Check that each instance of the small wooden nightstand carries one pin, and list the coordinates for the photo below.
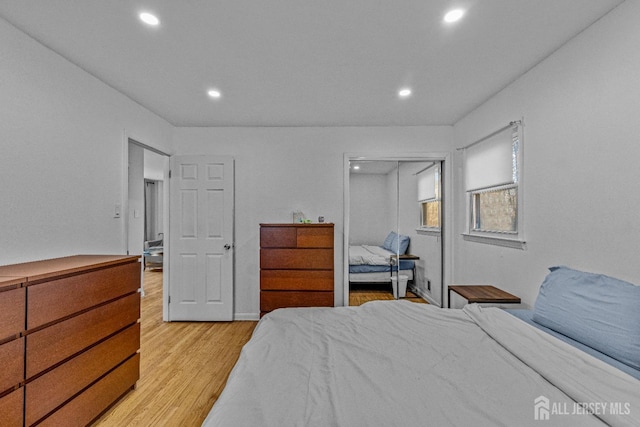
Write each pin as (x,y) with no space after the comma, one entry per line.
(482,294)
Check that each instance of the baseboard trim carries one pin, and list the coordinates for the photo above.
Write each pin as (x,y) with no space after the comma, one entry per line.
(425,296)
(246,316)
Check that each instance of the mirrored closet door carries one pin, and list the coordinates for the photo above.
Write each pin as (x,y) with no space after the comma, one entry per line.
(395,230)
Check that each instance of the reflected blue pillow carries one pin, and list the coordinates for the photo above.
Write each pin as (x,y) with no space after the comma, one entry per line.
(396,242)
(596,310)
(389,241)
(400,244)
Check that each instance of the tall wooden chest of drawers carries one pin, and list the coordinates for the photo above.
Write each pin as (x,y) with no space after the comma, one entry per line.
(296,266)
(69,338)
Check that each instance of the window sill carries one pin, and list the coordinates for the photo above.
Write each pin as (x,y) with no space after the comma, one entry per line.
(429,231)
(495,240)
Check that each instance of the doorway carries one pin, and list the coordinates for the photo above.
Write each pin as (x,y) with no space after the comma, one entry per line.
(382,198)
(146,208)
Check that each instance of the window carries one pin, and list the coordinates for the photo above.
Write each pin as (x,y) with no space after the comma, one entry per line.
(492,168)
(495,210)
(429,198)
(430,214)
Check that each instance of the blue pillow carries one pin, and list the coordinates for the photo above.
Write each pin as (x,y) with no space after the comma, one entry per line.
(395,242)
(597,310)
(403,243)
(389,241)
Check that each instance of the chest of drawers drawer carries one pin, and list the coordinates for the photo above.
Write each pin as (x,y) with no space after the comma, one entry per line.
(282,280)
(56,299)
(11,413)
(12,313)
(11,363)
(296,259)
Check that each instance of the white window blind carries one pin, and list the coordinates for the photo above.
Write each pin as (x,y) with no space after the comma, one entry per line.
(493,161)
(428,183)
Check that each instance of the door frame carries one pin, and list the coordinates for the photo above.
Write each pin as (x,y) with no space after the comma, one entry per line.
(447,202)
(124,214)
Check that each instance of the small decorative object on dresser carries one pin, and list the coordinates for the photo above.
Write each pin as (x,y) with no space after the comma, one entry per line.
(296,266)
(69,338)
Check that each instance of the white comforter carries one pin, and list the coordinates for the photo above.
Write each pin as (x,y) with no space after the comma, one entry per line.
(396,363)
(368,255)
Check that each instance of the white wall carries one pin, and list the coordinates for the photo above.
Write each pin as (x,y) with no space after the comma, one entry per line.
(581,108)
(154,165)
(282,169)
(369,209)
(61,168)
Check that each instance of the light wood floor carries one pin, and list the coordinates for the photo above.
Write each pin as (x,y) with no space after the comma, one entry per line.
(184,366)
(378,292)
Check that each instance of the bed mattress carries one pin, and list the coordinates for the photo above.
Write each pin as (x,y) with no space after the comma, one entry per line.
(396,363)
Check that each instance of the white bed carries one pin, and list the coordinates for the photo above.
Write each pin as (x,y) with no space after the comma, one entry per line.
(397,363)
(372,264)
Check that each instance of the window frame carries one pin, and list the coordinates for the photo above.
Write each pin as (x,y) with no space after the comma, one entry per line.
(511,239)
(474,214)
(425,227)
(422,227)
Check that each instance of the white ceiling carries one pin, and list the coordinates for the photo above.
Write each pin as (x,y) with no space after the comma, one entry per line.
(306,62)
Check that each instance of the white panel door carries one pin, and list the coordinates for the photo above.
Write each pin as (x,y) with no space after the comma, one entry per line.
(201,238)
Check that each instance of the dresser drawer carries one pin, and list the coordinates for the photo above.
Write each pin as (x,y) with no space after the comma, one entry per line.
(50,390)
(278,237)
(10,282)
(93,401)
(313,280)
(315,237)
(11,409)
(49,346)
(296,259)
(56,299)
(271,300)
(12,363)
(12,312)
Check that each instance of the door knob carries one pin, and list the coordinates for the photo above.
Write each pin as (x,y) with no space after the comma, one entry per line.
(227,246)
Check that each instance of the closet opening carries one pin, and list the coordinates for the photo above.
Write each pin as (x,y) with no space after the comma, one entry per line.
(395,228)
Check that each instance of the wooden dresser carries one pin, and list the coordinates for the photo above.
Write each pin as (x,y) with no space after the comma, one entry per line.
(69,338)
(296,266)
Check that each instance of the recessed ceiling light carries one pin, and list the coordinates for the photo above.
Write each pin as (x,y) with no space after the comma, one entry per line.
(454,15)
(149,19)
(404,92)
(356,167)
(214,93)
